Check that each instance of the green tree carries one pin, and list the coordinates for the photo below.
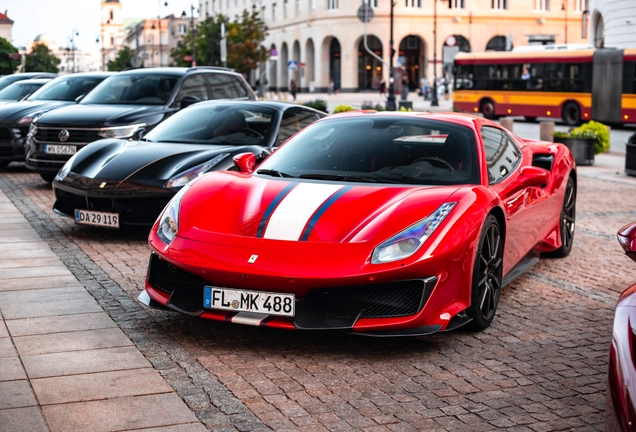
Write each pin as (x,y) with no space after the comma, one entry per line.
(7,64)
(244,38)
(123,60)
(42,59)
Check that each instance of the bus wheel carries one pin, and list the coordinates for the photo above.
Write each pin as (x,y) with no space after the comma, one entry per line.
(571,114)
(487,108)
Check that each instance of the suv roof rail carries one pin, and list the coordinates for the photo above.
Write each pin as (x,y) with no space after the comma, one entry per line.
(221,68)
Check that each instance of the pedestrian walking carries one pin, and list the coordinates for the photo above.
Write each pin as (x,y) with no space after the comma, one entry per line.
(405,87)
(330,87)
(382,88)
(425,87)
(293,88)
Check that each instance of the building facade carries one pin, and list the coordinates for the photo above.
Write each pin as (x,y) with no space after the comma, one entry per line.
(154,39)
(71,58)
(6,25)
(613,23)
(112,30)
(325,38)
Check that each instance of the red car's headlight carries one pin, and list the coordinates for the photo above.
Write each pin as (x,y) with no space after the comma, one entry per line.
(169,219)
(407,242)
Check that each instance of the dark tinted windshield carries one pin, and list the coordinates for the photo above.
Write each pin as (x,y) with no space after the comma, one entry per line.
(19,90)
(141,89)
(227,124)
(67,88)
(379,149)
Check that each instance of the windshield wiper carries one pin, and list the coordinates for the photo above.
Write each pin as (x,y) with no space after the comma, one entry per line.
(273,173)
(340,177)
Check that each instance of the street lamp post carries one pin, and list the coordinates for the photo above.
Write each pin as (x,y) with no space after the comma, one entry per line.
(564,6)
(194,33)
(391,97)
(153,26)
(72,48)
(434,101)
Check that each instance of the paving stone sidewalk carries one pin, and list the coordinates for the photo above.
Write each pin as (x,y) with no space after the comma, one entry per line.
(64,363)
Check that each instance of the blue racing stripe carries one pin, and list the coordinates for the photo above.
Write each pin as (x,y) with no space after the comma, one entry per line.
(321,210)
(272,206)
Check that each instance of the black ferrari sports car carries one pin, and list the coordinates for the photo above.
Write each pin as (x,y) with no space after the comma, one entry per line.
(115,182)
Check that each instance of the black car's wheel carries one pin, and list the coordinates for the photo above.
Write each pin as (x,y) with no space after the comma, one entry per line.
(567,222)
(48,177)
(571,114)
(487,276)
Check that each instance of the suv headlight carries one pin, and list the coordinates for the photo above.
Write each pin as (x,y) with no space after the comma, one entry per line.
(30,118)
(185,177)
(407,242)
(120,131)
(169,219)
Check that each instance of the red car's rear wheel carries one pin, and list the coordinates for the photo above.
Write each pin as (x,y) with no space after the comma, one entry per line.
(487,276)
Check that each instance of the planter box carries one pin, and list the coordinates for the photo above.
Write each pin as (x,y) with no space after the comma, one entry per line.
(406,104)
(630,159)
(582,149)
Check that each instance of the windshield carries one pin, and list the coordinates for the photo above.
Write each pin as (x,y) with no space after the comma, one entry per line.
(141,89)
(227,124)
(379,149)
(67,88)
(18,90)
(9,79)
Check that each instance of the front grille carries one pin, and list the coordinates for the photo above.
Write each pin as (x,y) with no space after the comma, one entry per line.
(393,299)
(51,135)
(5,134)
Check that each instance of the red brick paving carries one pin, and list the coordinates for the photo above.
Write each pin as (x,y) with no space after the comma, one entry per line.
(541,365)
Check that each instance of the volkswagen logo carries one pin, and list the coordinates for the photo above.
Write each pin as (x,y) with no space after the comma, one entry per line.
(63,135)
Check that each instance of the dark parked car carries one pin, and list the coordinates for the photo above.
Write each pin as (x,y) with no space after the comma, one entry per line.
(620,414)
(124,106)
(21,89)
(16,118)
(116,182)
(10,79)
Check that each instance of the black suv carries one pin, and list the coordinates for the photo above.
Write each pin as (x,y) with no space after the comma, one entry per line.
(124,106)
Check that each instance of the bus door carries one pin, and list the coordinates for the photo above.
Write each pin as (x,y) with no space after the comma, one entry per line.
(607,85)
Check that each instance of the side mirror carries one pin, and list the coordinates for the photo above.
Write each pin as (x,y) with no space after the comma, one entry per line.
(627,239)
(79,98)
(189,100)
(533,176)
(245,162)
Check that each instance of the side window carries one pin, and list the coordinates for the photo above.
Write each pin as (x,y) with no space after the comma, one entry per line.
(241,92)
(502,155)
(193,86)
(294,119)
(221,87)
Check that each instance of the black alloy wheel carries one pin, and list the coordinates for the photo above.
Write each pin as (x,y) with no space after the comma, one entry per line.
(487,276)
(571,114)
(567,222)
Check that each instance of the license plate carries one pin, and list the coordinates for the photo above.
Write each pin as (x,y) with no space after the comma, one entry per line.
(95,218)
(248,301)
(60,149)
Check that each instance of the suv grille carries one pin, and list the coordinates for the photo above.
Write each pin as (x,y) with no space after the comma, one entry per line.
(79,136)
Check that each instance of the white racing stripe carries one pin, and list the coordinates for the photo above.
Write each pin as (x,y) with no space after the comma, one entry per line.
(293,212)
(248,318)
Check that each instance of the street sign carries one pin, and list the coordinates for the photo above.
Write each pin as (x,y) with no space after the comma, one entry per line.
(135,61)
(187,58)
(15,56)
(451,41)
(223,50)
(292,65)
(365,13)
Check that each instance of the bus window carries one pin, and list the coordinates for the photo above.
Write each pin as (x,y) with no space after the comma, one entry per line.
(629,77)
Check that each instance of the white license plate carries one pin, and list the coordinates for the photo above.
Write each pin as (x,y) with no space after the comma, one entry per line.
(248,301)
(60,149)
(103,219)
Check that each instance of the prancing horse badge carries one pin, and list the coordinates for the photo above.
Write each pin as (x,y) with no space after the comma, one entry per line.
(252,259)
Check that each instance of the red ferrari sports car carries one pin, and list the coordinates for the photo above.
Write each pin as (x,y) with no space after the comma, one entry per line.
(383,224)
(620,413)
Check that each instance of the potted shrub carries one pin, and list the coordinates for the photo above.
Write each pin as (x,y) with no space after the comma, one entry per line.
(585,141)
(630,156)
(318,104)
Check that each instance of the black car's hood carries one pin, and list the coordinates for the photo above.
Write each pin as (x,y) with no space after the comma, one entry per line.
(86,115)
(141,160)
(11,113)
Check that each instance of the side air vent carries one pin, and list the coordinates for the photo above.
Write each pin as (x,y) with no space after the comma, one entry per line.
(544,161)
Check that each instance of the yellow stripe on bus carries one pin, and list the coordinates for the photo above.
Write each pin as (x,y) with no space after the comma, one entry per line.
(523,97)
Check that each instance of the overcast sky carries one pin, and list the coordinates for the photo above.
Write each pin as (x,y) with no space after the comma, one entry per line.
(58,18)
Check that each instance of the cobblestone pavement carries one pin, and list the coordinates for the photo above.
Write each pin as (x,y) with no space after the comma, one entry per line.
(541,365)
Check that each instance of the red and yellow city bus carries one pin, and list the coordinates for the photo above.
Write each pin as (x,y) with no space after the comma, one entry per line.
(575,85)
